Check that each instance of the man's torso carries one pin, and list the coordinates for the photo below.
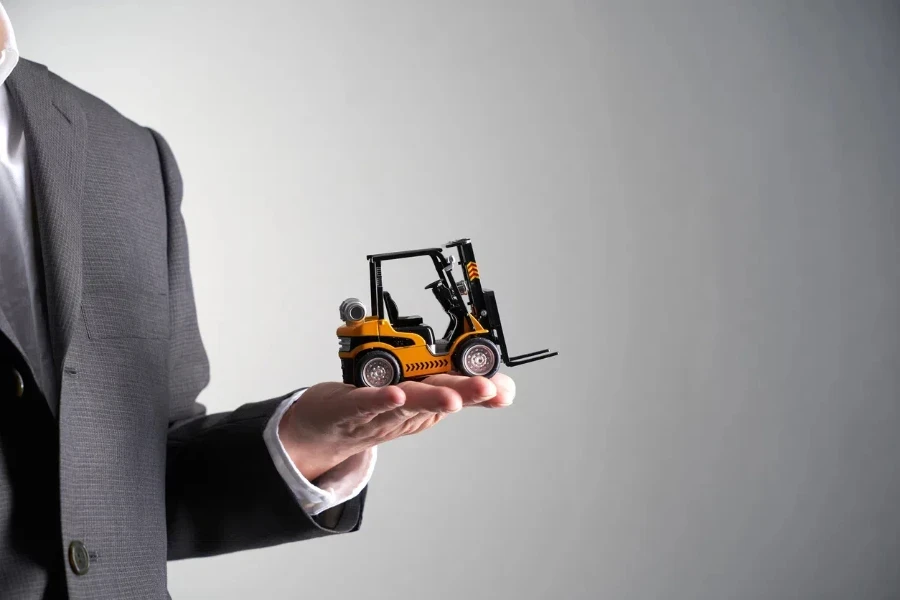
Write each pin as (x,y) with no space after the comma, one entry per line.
(100,208)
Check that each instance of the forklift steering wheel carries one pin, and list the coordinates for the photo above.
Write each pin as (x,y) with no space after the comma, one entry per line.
(433,284)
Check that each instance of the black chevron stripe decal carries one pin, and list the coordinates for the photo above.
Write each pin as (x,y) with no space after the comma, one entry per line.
(427,365)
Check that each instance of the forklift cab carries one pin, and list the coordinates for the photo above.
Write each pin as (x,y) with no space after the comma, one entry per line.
(444,289)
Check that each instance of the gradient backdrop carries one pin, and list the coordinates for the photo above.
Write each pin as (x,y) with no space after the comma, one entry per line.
(698,204)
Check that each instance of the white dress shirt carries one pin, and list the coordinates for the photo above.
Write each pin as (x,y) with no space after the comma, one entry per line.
(22,303)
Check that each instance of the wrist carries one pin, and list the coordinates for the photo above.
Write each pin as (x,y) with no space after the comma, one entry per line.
(311,458)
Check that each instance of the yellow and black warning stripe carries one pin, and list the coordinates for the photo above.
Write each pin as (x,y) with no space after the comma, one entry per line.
(472,270)
(427,365)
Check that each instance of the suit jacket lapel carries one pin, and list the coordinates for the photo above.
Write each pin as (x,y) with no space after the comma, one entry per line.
(55,130)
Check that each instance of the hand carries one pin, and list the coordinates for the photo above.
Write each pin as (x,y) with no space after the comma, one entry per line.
(333,421)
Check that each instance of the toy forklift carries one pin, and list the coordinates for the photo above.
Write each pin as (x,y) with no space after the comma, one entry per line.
(385,348)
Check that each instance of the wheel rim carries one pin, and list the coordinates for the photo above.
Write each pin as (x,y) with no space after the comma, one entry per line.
(378,372)
(478,359)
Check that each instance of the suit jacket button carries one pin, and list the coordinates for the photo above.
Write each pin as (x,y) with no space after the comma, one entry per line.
(78,558)
(18,384)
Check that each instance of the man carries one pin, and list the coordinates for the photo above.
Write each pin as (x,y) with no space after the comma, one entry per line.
(108,465)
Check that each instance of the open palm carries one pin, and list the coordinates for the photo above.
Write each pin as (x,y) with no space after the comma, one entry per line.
(334,421)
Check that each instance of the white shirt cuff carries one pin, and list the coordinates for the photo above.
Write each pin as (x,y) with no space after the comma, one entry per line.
(336,486)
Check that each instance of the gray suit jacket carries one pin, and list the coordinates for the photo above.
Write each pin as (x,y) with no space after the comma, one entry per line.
(132,471)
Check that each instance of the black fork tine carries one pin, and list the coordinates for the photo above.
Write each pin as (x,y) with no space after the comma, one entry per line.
(529,358)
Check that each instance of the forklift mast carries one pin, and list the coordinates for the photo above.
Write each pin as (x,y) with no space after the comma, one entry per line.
(473,281)
(484,306)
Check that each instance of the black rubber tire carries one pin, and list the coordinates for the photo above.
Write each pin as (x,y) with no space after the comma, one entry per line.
(360,378)
(487,346)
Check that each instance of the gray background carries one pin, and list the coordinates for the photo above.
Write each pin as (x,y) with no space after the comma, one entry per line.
(696,203)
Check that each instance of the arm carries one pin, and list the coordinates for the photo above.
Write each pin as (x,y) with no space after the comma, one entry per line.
(223,491)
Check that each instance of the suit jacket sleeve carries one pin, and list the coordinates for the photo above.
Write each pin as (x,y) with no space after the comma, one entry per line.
(223,492)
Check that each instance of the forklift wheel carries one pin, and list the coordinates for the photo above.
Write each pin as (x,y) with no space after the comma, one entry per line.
(377,369)
(477,357)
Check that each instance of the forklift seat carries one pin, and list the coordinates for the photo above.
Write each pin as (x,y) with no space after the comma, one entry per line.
(393,314)
(410,324)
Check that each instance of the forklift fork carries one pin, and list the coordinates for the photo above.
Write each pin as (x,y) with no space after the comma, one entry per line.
(496,328)
(524,359)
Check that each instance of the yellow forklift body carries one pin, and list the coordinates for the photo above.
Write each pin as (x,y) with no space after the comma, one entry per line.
(416,360)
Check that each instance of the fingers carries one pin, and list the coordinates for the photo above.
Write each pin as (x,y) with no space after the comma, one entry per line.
(422,400)
(367,403)
(506,391)
(473,390)
(422,397)
(497,392)
(438,394)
